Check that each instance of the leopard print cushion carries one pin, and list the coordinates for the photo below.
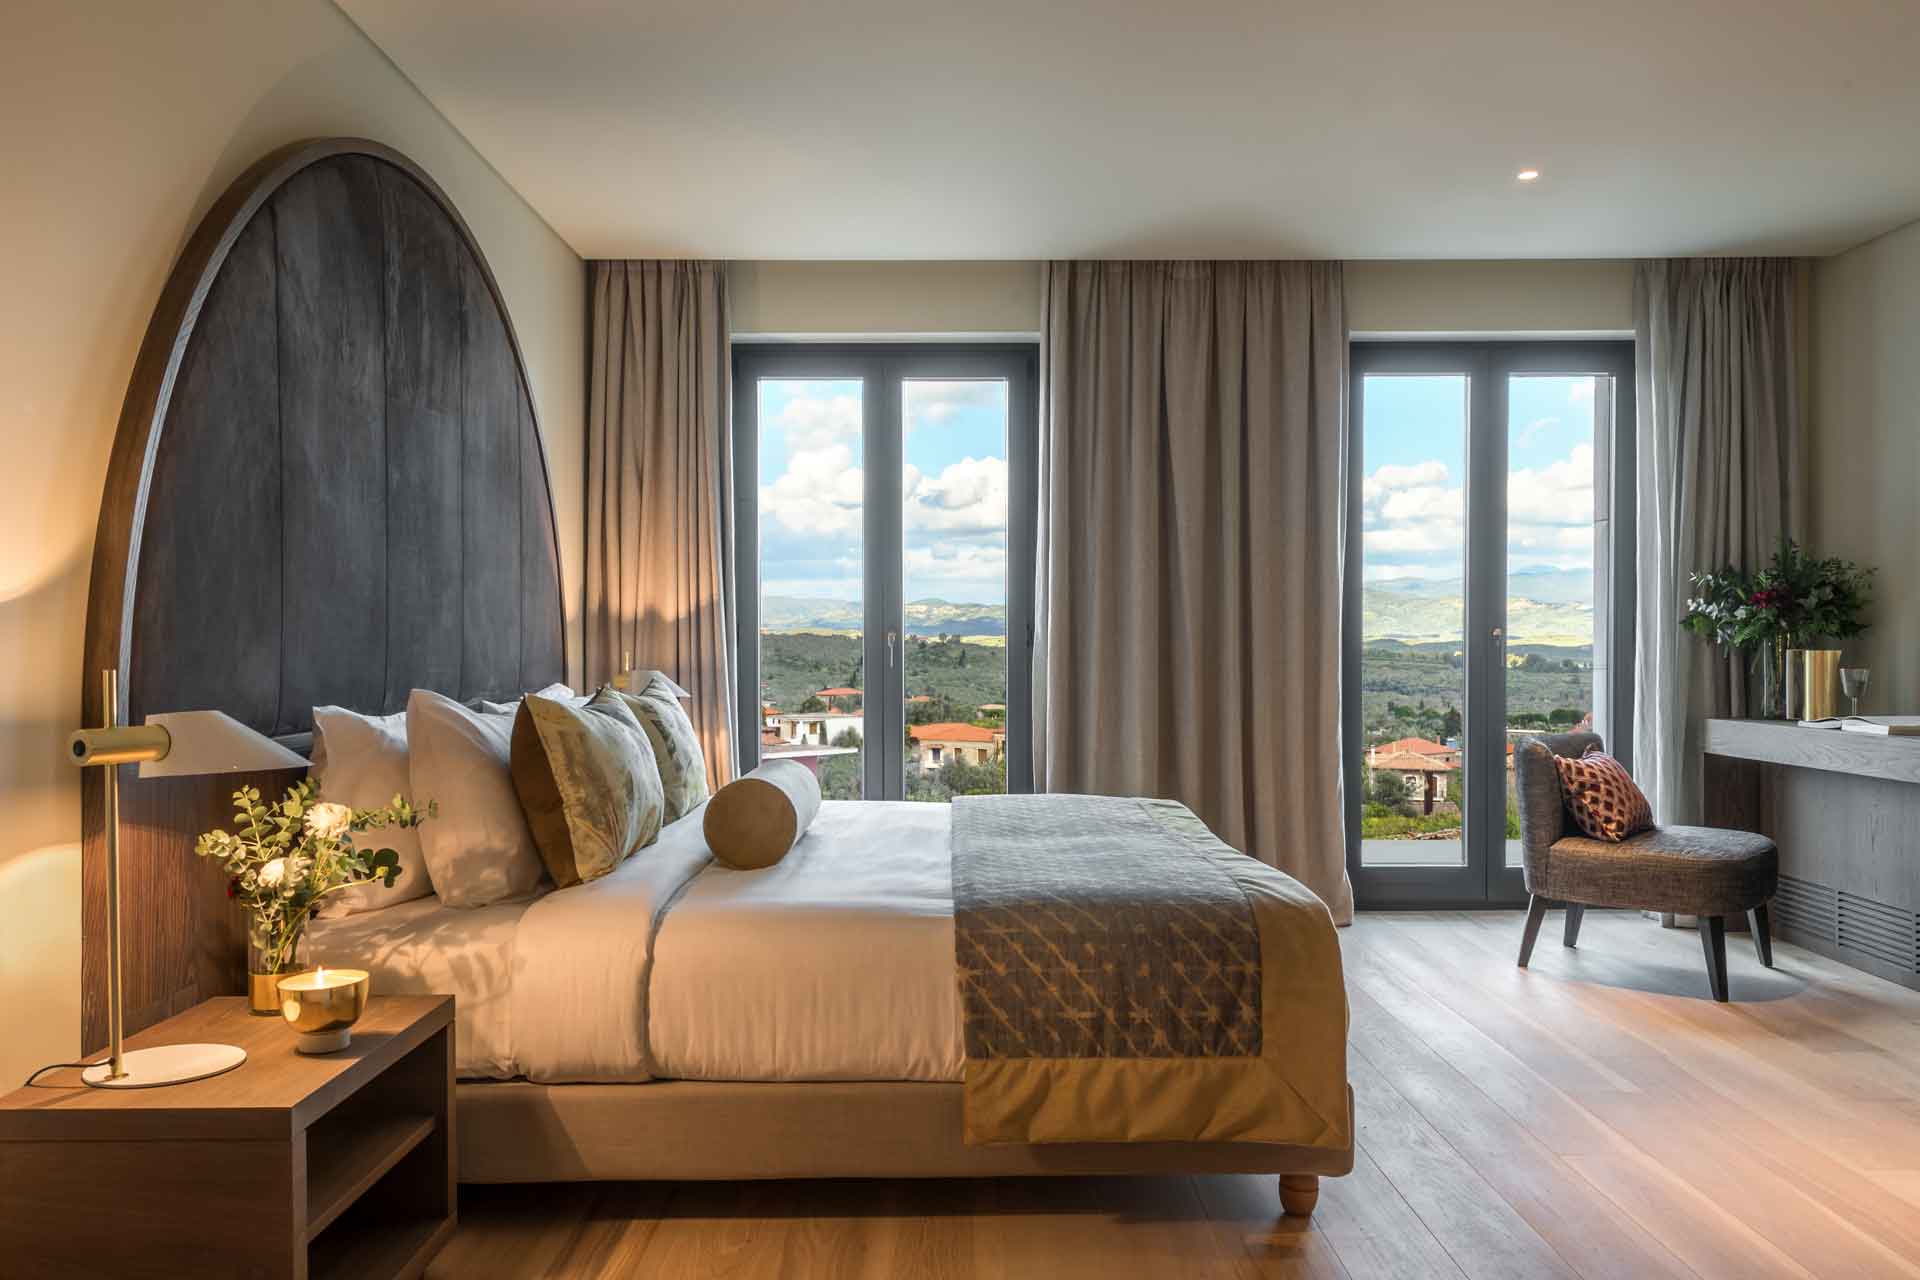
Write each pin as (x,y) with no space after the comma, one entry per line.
(1602,798)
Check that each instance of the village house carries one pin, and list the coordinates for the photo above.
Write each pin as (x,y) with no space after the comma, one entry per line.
(817,728)
(935,744)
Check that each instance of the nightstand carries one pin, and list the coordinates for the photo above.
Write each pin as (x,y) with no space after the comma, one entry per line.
(334,1165)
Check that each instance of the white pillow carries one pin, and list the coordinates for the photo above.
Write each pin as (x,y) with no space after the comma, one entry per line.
(559,692)
(478,848)
(361,761)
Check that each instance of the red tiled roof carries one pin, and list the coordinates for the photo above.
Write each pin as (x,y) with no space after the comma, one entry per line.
(1419,746)
(836,693)
(1412,762)
(951,733)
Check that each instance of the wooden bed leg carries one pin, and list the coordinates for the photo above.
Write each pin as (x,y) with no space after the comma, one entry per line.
(1299,1192)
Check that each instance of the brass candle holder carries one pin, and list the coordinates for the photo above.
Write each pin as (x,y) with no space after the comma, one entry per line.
(322,1005)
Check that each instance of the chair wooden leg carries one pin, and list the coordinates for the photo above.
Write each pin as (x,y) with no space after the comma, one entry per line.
(1762,934)
(1299,1192)
(1713,942)
(1575,914)
(1536,912)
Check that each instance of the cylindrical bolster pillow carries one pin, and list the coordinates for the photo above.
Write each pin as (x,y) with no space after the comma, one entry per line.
(753,820)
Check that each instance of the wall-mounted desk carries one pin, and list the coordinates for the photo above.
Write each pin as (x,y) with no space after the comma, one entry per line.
(1845,810)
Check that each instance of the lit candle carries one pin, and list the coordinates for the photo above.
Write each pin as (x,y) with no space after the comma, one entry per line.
(323,1006)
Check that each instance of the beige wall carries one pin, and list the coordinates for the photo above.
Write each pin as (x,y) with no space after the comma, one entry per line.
(1864,446)
(887,298)
(884,298)
(121,121)
(1568,297)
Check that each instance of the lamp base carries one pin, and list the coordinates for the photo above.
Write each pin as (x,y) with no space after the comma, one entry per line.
(324,1041)
(166,1064)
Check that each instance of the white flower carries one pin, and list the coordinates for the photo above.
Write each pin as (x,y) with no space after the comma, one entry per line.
(329,821)
(272,873)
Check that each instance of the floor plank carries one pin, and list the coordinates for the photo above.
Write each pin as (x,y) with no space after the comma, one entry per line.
(1593,1115)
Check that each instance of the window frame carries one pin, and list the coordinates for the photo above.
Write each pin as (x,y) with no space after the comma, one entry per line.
(882,367)
(1484,880)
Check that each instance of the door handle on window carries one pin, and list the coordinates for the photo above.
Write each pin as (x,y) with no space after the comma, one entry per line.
(890,639)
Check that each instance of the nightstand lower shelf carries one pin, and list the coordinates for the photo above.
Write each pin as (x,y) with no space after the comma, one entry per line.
(289,1165)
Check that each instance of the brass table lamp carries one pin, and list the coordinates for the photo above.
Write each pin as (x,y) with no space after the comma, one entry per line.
(174,745)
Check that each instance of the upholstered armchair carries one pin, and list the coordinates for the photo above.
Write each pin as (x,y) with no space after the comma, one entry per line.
(1706,872)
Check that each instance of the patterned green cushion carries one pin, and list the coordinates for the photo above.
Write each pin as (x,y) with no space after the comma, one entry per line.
(683,765)
(588,783)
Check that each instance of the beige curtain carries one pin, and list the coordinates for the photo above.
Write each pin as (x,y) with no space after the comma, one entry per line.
(1190,542)
(660,487)
(1717,460)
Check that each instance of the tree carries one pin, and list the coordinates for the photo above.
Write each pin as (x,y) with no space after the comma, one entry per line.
(1389,788)
(812,702)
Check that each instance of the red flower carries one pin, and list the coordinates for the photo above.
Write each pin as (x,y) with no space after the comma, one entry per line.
(233,888)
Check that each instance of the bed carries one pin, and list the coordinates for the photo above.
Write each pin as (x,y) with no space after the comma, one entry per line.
(856,1010)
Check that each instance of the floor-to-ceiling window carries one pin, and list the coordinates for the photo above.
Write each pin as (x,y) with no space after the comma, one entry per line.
(1489,485)
(885,522)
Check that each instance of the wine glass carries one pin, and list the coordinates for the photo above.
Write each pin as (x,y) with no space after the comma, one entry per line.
(1853,683)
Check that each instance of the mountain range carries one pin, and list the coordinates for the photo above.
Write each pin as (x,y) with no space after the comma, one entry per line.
(929,617)
(1544,607)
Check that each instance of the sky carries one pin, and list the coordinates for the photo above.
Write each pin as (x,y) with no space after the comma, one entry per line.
(954,483)
(953,496)
(1414,460)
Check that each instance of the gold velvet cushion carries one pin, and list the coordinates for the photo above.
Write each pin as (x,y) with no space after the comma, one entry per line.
(1602,798)
(588,783)
(753,820)
(676,747)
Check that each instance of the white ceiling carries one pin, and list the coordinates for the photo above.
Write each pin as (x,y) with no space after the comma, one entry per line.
(1162,128)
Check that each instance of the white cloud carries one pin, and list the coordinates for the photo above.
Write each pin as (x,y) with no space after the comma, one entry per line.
(1535,429)
(1388,479)
(1581,392)
(821,492)
(815,422)
(930,404)
(968,496)
(1560,493)
(1414,522)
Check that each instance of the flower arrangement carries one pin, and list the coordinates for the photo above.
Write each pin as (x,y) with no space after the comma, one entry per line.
(283,859)
(1796,599)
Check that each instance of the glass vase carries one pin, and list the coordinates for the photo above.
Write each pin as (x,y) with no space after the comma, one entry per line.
(264,975)
(1773,667)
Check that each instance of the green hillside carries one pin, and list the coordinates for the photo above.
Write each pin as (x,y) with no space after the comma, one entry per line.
(965,673)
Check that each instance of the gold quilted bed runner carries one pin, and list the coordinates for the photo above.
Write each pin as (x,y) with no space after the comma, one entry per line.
(1127,977)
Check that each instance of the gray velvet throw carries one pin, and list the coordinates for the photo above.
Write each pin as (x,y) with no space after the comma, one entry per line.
(1099,927)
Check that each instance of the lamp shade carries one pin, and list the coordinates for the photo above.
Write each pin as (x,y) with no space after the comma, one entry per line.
(214,742)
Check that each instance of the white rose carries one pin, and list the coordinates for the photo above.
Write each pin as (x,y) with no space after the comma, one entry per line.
(272,873)
(329,821)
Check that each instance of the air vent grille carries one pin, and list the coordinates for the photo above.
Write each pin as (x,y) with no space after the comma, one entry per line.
(1810,908)
(1888,934)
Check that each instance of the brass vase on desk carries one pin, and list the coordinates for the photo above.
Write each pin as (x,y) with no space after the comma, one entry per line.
(1820,683)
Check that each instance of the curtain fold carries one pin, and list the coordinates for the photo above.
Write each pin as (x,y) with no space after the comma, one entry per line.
(660,558)
(1188,611)
(1717,450)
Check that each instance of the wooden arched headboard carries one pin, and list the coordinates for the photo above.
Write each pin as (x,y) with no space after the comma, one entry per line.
(328,487)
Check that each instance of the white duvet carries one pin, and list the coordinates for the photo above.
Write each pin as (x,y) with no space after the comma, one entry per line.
(834,964)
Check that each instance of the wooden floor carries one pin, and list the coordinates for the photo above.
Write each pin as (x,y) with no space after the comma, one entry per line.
(1594,1116)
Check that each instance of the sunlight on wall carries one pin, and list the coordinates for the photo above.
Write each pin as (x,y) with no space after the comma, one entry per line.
(39,965)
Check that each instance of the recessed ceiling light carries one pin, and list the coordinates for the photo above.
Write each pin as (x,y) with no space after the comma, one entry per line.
(1528,175)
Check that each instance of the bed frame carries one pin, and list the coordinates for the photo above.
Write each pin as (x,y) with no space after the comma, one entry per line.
(329,487)
(514,1131)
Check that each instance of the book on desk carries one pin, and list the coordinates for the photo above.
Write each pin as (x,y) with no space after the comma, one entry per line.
(1882,726)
